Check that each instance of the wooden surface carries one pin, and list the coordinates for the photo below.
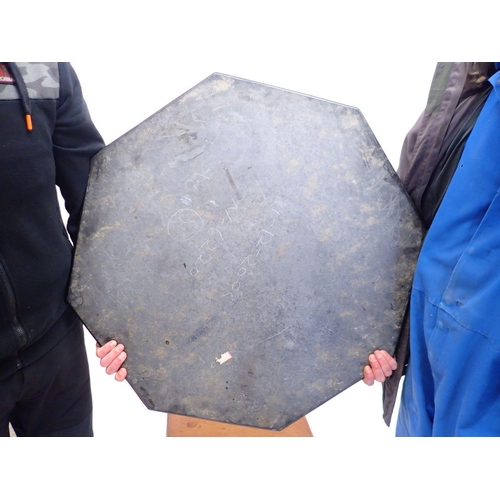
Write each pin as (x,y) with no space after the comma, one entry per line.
(180,426)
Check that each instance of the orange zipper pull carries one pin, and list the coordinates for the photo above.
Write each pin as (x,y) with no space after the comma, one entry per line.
(29,123)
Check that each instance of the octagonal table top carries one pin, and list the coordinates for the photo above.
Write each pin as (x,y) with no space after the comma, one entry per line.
(250,246)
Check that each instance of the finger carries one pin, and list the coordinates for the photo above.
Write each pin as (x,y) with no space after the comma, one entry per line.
(102,351)
(392,362)
(115,364)
(368,378)
(378,372)
(108,358)
(386,362)
(121,374)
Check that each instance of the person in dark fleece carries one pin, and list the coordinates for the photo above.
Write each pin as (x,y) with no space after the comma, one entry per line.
(47,139)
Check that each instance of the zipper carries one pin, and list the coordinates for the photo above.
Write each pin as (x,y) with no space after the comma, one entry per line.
(18,329)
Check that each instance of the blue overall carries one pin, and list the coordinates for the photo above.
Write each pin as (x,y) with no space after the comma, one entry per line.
(452,384)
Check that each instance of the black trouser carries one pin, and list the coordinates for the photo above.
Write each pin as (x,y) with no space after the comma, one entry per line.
(50,397)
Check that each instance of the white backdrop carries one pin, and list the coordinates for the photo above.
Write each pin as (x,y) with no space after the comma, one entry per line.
(135,57)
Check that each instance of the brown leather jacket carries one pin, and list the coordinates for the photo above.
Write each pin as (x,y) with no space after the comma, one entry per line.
(430,154)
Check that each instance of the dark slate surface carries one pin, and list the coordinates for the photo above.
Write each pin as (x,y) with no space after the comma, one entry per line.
(249,220)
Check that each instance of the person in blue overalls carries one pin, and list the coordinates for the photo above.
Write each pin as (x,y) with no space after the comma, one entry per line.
(452,383)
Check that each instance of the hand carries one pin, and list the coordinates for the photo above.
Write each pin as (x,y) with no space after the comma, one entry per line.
(112,356)
(381,365)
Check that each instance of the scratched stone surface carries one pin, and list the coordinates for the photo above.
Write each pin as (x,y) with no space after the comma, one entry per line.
(250,246)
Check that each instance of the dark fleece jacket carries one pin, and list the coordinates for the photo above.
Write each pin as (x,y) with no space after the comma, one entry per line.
(35,251)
